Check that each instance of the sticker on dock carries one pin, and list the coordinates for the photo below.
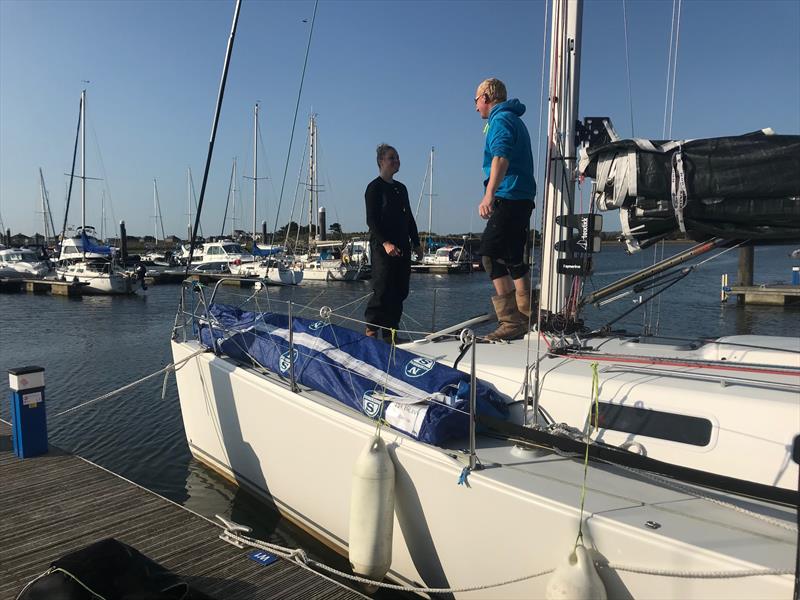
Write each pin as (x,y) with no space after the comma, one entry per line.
(265,558)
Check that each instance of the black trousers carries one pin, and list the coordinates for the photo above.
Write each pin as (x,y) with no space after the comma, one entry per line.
(390,278)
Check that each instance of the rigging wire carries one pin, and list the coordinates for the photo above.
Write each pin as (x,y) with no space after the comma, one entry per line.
(669,105)
(294,120)
(106,185)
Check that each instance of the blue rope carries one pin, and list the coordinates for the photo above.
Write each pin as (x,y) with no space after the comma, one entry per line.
(462,478)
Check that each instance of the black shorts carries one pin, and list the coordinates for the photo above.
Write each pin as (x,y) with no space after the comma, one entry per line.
(507,230)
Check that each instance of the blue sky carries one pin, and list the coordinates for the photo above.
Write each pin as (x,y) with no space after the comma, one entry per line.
(397,72)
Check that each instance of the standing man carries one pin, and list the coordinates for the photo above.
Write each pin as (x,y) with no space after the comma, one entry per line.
(507,204)
(392,234)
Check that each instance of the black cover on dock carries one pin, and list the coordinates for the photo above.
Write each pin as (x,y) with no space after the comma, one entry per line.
(110,569)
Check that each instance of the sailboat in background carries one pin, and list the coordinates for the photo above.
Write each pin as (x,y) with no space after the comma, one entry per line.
(269,264)
(449,258)
(82,257)
(324,260)
(676,510)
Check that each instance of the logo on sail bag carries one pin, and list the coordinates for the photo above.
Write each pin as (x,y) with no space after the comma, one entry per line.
(370,404)
(317,325)
(284,363)
(419,366)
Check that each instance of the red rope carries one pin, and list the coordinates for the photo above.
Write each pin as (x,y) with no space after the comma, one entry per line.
(677,363)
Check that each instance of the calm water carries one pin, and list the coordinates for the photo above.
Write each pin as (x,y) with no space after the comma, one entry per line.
(93,345)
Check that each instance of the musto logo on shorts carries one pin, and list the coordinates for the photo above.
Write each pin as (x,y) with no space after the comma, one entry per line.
(370,404)
(419,366)
(284,363)
(316,325)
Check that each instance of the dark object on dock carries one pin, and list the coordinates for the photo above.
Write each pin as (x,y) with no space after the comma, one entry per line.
(110,569)
(55,504)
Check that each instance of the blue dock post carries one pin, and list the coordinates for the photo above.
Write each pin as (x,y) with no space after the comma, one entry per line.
(28,416)
(795,275)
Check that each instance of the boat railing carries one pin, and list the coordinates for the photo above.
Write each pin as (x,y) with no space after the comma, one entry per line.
(194,313)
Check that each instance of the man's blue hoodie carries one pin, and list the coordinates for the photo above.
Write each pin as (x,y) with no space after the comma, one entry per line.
(507,136)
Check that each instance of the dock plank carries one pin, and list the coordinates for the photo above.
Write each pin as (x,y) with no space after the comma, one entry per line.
(57,503)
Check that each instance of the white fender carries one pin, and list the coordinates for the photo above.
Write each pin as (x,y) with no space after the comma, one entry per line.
(372,511)
(576,579)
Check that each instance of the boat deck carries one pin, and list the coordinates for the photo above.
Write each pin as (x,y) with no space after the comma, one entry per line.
(57,503)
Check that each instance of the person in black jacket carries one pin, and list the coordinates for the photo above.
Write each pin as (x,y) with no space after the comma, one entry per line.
(392,234)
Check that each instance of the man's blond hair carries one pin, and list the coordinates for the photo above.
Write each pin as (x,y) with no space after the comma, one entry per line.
(494,89)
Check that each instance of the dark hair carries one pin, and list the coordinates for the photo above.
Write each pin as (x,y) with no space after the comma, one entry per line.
(381,150)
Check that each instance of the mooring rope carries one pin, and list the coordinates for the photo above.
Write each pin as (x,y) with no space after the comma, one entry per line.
(298,555)
(170,367)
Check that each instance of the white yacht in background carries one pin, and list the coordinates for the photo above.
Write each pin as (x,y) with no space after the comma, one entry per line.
(329,264)
(82,257)
(23,263)
(226,251)
(270,264)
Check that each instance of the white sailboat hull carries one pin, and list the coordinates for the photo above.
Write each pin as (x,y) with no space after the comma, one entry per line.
(517,517)
(333,273)
(103,283)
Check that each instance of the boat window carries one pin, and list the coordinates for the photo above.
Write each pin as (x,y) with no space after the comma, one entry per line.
(233,249)
(674,427)
(443,252)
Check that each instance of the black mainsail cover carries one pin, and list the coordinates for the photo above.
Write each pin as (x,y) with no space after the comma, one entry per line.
(743,187)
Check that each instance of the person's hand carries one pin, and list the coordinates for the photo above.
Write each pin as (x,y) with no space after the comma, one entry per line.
(391,249)
(485,207)
(419,252)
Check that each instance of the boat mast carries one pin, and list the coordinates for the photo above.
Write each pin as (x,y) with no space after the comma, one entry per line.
(189,196)
(312,174)
(47,215)
(255,170)
(102,215)
(155,213)
(83,159)
(233,205)
(430,205)
(562,112)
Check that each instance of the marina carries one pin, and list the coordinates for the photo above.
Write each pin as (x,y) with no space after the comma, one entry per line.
(589,418)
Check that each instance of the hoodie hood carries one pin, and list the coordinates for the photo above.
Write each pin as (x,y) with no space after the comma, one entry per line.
(513,106)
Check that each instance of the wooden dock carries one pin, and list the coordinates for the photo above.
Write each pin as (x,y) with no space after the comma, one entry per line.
(774,295)
(58,503)
(42,286)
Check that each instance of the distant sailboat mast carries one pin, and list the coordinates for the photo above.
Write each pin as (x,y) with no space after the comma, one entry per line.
(189,197)
(233,205)
(47,214)
(83,159)
(157,218)
(255,170)
(312,176)
(430,205)
(103,215)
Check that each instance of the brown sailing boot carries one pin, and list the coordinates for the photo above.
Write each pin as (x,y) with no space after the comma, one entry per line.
(513,324)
